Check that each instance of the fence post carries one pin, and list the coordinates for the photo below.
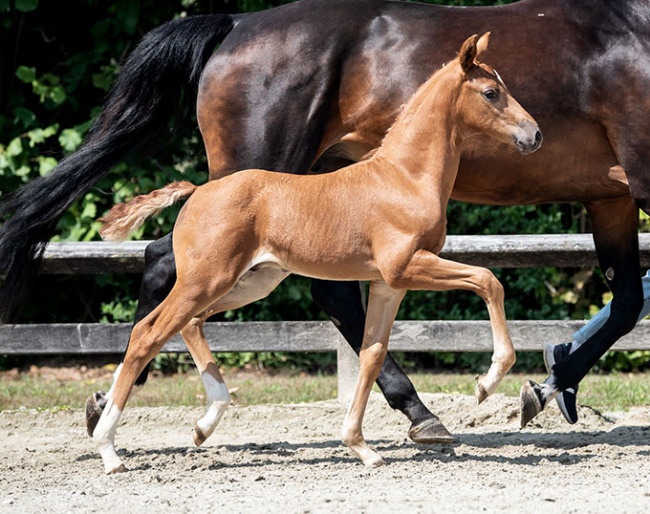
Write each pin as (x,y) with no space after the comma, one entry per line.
(347,365)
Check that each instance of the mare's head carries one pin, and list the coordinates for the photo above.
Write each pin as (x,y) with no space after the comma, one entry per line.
(485,106)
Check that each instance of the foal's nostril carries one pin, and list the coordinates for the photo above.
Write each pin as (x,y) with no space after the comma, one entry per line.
(530,144)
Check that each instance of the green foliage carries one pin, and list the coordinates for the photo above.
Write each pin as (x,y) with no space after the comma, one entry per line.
(55,70)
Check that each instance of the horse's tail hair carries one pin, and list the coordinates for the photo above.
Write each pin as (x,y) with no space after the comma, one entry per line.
(124,218)
(144,99)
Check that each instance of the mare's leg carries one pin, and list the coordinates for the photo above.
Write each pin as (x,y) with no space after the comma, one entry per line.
(430,272)
(617,246)
(341,301)
(158,279)
(383,303)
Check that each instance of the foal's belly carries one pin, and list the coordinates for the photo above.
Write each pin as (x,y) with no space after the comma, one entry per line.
(575,164)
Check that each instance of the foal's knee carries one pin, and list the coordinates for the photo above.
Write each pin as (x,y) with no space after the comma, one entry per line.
(372,358)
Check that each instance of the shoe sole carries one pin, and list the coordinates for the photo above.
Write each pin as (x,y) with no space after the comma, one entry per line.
(549,358)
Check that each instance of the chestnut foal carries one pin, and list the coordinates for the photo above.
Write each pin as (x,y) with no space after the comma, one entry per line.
(381,220)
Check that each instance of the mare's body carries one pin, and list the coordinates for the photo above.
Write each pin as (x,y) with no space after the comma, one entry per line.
(314,82)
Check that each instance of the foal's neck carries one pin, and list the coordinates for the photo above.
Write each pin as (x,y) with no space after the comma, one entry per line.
(423,141)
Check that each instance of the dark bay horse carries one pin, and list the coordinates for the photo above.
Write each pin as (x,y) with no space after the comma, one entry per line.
(382,219)
(316,83)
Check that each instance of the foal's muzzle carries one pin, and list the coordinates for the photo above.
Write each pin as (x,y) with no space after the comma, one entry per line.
(529,138)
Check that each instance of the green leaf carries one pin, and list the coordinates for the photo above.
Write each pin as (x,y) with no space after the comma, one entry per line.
(22,171)
(57,95)
(4,162)
(103,80)
(26,5)
(70,139)
(25,116)
(89,211)
(15,147)
(27,75)
(45,164)
(50,78)
(39,135)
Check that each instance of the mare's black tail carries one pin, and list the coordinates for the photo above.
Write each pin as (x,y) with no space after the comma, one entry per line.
(145,97)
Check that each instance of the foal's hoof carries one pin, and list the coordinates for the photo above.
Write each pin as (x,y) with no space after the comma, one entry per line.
(94,407)
(198,436)
(480,392)
(531,401)
(430,431)
(375,462)
(120,469)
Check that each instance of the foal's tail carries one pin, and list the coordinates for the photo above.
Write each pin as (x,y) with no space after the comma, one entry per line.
(166,64)
(124,218)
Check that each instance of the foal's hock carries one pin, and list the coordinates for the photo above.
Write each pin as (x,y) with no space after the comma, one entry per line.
(381,220)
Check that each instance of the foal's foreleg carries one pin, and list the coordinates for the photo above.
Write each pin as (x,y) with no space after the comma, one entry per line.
(383,303)
(341,301)
(430,272)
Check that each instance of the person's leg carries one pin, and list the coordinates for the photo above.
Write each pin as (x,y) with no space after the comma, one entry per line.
(594,324)
(553,353)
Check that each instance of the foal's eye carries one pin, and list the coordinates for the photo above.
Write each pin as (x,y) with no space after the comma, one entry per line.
(491,95)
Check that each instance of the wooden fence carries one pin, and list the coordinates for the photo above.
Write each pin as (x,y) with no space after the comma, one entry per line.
(519,251)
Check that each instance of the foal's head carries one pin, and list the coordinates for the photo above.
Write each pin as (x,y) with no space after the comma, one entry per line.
(485,106)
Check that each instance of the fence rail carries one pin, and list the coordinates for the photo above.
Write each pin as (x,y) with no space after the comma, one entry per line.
(516,251)
(519,251)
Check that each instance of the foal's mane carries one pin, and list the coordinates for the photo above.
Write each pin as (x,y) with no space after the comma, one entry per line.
(408,108)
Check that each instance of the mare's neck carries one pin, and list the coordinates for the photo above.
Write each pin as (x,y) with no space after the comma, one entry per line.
(423,143)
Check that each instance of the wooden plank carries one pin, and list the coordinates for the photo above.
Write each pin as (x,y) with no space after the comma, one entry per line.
(476,336)
(100,338)
(93,258)
(297,336)
(510,251)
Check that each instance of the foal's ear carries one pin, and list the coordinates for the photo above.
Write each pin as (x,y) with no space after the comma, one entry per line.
(468,53)
(481,46)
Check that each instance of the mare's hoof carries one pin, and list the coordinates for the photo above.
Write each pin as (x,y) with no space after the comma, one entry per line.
(531,402)
(430,431)
(198,436)
(94,407)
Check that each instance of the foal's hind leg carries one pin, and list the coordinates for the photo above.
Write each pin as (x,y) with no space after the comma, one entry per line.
(157,281)
(216,391)
(430,272)
(383,303)
(147,338)
(252,286)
